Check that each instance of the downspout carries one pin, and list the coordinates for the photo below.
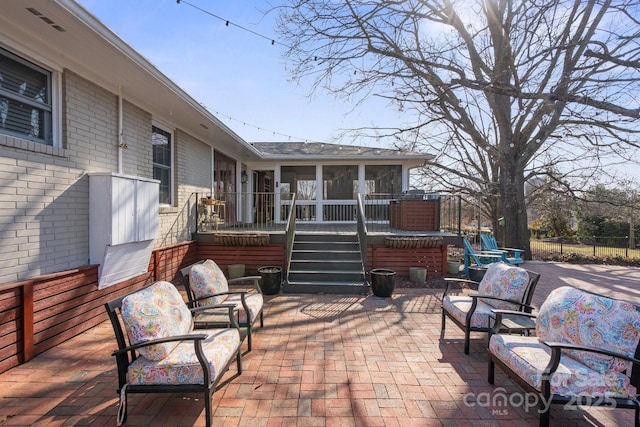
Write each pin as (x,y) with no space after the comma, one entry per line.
(121,145)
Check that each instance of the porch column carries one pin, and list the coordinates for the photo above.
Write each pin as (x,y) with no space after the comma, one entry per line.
(319,188)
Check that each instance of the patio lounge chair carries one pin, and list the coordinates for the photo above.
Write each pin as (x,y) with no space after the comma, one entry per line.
(511,255)
(502,286)
(584,353)
(205,283)
(160,352)
(481,259)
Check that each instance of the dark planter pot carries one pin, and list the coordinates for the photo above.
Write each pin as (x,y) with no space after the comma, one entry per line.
(383,282)
(476,273)
(270,279)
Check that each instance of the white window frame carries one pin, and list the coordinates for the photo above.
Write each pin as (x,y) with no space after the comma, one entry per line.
(165,128)
(55,102)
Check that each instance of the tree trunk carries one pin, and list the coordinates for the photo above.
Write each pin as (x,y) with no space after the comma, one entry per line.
(514,209)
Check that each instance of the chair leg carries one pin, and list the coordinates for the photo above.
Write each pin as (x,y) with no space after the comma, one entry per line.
(239,362)
(249,337)
(545,416)
(491,371)
(467,338)
(443,324)
(261,319)
(208,397)
(122,406)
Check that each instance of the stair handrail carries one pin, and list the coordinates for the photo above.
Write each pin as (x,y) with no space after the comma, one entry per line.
(362,232)
(183,222)
(290,232)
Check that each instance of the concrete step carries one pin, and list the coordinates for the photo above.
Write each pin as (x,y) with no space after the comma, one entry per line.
(319,237)
(312,255)
(325,246)
(345,259)
(326,276)
(327,287)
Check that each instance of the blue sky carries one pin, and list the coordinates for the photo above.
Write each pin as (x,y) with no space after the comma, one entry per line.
(238,76)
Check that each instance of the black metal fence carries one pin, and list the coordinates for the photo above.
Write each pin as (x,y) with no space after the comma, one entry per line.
(585,246)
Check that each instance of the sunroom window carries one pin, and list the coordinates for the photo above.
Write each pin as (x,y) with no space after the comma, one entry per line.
(25,99)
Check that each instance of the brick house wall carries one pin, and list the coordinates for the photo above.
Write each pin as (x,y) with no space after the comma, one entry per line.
(44,210)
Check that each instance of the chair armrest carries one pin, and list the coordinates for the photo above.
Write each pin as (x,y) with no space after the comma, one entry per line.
(191,337)
(497,325)
(558,346)
(491,297)
(448,280)
(254,279)
(512,250)
(213,307)
(230,308)
(515,313)
(219,294)
(554,362)
(490,254)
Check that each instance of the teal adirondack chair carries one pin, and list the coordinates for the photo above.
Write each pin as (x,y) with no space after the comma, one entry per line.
(510,255)
(481,259)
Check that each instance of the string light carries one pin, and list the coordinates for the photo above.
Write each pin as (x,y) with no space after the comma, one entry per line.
(229,23)
(273,132)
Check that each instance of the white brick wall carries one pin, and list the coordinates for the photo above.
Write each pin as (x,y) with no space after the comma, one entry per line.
(44,200)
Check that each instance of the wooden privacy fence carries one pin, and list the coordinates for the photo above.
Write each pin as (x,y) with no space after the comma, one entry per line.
(40,313)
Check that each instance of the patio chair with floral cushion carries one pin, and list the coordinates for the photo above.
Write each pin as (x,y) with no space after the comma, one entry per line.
(205,284)
(160,352)
(503,287)
(585,352)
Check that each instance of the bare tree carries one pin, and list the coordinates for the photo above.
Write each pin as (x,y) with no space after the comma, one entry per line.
(552,205)
(499,90)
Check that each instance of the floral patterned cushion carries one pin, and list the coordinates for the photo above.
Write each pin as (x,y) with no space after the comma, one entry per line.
(504,281)
(528,358)
(573,316)
(459,306)
(182,366)
(157,311)
(207,279)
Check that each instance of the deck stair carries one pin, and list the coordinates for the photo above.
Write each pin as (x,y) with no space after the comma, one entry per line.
(326,263)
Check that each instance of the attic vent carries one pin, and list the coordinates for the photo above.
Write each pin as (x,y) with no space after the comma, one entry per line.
(37,13)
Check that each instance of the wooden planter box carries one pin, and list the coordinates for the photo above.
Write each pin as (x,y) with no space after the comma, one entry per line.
(242,239)
(413,242)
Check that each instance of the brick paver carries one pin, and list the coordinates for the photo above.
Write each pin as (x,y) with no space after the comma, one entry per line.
(320,360)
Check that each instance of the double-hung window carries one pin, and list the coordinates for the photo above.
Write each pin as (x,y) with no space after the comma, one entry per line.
(25,99)
(162,164)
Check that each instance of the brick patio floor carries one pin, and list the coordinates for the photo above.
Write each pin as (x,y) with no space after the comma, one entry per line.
(320,360)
